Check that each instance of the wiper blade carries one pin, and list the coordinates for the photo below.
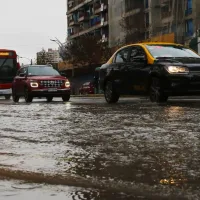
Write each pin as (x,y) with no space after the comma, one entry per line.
(163,57)
(167,58)
(4,62)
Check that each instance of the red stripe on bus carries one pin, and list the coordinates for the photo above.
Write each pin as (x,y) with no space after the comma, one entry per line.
(5,86)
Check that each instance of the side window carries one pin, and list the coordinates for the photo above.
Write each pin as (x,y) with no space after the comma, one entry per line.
(137,53)
(20,71)
(122,56)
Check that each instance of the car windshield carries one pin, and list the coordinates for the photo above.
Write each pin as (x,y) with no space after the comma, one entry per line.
(42,71)
(159,51)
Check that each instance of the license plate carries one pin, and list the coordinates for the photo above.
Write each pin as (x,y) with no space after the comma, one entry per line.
(52,90)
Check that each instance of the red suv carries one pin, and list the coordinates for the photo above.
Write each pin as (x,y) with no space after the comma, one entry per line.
(87,88)
(40,81)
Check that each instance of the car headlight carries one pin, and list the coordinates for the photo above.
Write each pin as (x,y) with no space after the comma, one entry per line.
(34,84)
(177,69)
(67,84)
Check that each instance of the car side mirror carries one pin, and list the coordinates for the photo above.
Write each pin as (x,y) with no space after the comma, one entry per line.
(63,74)
(22,74)
(18,65)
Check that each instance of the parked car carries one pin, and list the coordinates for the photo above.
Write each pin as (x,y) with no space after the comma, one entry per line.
(40,81)
(158,70)
(87,88)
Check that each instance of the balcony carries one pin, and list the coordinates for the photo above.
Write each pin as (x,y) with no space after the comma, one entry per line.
(80,4)
(88,30)
(188,11)
(100,8)
(83,17)
(73,23)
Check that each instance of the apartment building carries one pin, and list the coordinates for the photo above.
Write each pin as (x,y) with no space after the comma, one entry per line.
(50,56)
(54,55)
(130,12)
(179,17)
(87,17)
(155,18)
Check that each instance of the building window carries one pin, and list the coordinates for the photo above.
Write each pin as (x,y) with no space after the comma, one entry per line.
(188,7)
(189,4)
(146,4)
(189,27)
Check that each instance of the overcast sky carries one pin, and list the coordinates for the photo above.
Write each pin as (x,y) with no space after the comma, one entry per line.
(28,25)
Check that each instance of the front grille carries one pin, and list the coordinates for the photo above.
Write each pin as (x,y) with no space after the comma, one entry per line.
(51,83)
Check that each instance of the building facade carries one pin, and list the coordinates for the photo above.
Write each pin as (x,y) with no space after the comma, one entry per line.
(54,55)
(87,17)
(154,18)
(125,16)
(51,56)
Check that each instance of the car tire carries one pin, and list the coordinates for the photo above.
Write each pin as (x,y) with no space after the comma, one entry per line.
(66,97)
(110,94)
(49,99)
(7,97)
(27,96)
(15,97)
(156,91)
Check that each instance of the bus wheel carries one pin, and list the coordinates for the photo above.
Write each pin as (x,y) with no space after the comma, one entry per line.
(7,97)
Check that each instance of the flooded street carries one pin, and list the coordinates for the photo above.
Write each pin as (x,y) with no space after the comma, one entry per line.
(87,149)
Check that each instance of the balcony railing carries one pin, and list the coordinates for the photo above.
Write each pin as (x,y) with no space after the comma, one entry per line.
(79,5)
(73,23)
(83,17)
(88,30)
(100,8)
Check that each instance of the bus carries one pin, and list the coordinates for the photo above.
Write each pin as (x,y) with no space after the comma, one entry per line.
(8,70)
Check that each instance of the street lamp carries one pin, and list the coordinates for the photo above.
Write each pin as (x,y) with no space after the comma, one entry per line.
(61,47)
(62,50)
(27,59)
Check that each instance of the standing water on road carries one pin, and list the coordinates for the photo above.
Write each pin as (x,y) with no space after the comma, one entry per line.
(87,149)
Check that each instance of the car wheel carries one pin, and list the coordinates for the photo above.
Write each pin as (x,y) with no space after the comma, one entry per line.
(7,97)
(49,99)
(66,97)
(27,96)
(15,97)
(110,95)
(156,91)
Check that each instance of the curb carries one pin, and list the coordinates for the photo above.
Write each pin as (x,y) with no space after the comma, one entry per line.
(102,96)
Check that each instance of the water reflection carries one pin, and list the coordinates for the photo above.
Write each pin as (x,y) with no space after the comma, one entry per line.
(127,147)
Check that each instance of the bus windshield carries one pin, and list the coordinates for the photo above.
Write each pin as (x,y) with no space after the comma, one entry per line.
(7,67)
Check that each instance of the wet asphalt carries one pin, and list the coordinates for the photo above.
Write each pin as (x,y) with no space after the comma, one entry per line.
(87,149)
